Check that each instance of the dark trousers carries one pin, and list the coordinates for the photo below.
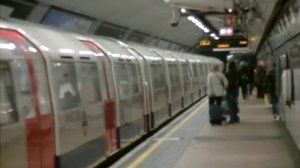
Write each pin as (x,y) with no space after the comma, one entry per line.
(260,91)
(244,91)
(232,98)
(215,100)
(274,102)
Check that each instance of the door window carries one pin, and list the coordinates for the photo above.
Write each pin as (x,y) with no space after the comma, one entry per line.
(66,85)
(90,82)
(8,110)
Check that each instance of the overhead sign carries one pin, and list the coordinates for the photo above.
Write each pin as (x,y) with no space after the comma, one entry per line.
(224,43)
(230,20)
(205,43)
(226,31)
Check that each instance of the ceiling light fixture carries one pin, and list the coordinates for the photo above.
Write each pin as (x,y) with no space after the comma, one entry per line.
(183,10)
(198,23)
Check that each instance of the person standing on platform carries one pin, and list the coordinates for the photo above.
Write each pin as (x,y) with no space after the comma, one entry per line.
(271,91)
(251,79)
(244,82)
(216,86)
(260,77)
(233,78)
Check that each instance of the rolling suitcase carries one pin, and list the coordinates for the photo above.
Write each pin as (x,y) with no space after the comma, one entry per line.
(215,115)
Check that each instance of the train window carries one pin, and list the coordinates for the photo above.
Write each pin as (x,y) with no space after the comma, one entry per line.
(20,46)
(174,74)
(41,78)
(8,111)
(157,76)
(19,68)
(127,78)
(90,82)
(201,70)
(195,70)
(133,77)
(66,85)
(186,72)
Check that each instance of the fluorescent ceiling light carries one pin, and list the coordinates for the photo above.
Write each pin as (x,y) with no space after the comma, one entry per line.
(66,51)
(191,18)
(183,10)
(206,30)
(32,49)
(44,48)
(86,52)
(9,46)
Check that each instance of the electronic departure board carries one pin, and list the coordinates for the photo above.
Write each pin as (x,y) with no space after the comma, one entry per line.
(223,43)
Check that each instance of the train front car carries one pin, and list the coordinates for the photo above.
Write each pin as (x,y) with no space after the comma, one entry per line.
(26,114)
(128,86)
(76,84)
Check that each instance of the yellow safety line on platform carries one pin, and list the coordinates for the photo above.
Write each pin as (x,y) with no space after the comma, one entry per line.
(141,158)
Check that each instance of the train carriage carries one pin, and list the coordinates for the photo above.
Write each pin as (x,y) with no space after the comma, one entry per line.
(70,100)
(174,81)
(128,86)
(157,80)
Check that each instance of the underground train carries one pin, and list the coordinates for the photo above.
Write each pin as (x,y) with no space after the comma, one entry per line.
(70,100)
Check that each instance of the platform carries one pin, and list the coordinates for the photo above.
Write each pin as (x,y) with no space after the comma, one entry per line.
(191,142)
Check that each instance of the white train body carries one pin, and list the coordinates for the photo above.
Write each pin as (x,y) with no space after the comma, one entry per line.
(69,100)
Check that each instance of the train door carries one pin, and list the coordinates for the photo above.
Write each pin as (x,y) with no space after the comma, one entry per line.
(93,103)
(25,104)
(109,104)
(187,82)
(196,82)
(294,116)
(145,74)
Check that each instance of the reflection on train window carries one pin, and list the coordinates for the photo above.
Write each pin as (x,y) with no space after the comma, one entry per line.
(186,72)
(40,73)
(202,69)
(66,85)
(174,75)
(8,111)
(127,79)
(157,75)
(90,82)
(195,71)
(24,89)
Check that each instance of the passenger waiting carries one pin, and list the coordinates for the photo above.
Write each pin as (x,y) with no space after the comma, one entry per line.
(271,90)
(233,78)
(216,85)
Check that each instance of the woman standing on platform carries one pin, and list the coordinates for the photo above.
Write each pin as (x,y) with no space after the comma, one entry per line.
(216,85)
(233,78)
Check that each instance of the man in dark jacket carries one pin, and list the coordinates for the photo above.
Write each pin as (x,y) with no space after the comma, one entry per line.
(271,90)
(233,78)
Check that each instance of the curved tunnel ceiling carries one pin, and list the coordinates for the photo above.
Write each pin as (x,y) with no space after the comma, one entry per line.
(149,16)
(257,14)
(154,16)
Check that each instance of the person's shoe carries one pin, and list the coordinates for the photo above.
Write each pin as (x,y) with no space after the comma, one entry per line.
(277,118)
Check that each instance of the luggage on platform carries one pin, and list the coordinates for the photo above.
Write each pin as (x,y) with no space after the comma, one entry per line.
(215,115)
